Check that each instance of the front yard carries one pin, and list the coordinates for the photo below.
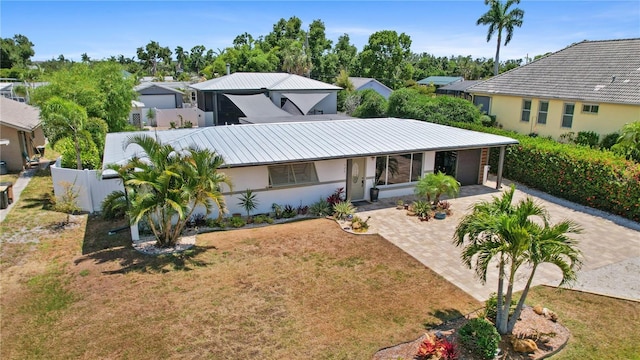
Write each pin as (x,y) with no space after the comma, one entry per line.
(305,290)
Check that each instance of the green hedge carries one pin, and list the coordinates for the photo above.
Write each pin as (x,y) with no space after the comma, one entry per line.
(411,104)
(599,179)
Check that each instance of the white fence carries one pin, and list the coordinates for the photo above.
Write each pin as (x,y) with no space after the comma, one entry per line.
(89,185)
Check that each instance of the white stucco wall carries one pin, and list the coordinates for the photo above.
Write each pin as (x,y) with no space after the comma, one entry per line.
(380,89)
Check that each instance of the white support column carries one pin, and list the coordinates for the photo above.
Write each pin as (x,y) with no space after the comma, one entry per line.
(500,166)
(135,234)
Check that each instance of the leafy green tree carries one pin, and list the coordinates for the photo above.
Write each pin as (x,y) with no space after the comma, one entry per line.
(345,52)
(99,87)
(153,55)
(515,234)
(433,185)
(628,143)
(372,105)
(63,119)
(319,47)
(295,59)
(499,18)
(386,56)
(196,59)
(166,186)
(15,52)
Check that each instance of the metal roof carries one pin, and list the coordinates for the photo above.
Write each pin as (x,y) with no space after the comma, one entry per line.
(460,85)
(149,85)
(440,80)
(293,118)
(359,82)
(263,144)
(599,71)
(257,81)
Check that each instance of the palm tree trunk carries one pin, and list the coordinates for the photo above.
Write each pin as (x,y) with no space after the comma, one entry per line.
(502,329)
(500,290)
(77,146)
(516,314)
(496,64)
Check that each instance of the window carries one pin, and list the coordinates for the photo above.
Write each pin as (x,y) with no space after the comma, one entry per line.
(526,110)
(567,115)
(543,109)
(399,169)
(590,108)
(292,174)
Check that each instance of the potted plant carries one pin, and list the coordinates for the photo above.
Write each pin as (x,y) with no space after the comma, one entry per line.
(381,169)
(399,204)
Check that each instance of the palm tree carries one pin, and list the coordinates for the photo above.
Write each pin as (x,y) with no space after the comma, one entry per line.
(166,186)
(628,143)
(434,185)
(500,18)
(500,229)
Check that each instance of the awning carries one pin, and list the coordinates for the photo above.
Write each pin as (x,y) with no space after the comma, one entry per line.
(306,102)
(256,105)
(291,108)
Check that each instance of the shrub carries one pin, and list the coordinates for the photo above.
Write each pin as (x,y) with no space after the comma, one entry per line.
(480,337)
(248,201)
(609,140)
(343,209)
(277,210)
(433,347)
(261,219)
(372,105)
(410,104)
(336,197)
(289,212)
(114,206)
(422,208)
(320,208)
(599,179)
(198,220)
(587,138)
(237,222)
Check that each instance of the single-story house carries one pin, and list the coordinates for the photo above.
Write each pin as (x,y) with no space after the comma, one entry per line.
(224,100)
(458,89)
(588,86)
(20,133)
(438,81)
(165,101)
(360,83)
(300,162)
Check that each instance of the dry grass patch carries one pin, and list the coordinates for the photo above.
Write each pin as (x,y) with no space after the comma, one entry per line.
(295,291)
(601,327)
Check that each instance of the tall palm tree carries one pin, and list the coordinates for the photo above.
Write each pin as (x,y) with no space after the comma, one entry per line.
(166,186)
(512,234)
(500,18)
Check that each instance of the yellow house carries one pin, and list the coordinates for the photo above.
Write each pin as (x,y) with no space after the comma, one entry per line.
(588,86)
(20,133)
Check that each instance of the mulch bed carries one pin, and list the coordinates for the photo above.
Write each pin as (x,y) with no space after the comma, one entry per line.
(550,337)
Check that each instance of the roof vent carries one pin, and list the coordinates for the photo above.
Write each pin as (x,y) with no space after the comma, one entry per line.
(613,78)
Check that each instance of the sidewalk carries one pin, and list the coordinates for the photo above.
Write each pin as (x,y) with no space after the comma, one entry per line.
(18,186)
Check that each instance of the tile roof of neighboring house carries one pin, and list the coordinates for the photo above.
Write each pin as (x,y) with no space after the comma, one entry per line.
(598,71)
(262,144)
(460,85)
(257,81)
(440,80)
(19,115)
(147,85)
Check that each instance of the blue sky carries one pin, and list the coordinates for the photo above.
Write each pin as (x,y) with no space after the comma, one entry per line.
(442,28)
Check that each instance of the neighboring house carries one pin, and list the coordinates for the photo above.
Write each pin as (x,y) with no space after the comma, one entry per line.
(224,100)
(360,83)
(588,86)
(458,89)
(438,81)
(300,162)
(20,133)
(165,100)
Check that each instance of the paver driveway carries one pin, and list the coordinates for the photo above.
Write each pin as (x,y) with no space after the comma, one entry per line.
(610,245)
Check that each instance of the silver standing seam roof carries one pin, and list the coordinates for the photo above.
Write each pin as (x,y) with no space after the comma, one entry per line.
(277,143)
(257,81)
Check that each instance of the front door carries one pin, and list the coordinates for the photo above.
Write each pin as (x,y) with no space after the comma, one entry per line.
(356,179)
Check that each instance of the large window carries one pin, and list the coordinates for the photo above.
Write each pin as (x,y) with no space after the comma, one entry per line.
(292,174)
(398,169)
(526,110)
(543,109)
(567,115)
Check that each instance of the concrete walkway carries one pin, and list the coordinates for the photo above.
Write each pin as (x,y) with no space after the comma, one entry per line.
(610,244)
(18,186)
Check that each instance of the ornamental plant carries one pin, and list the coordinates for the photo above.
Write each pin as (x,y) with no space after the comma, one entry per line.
(435,348)
(480,337)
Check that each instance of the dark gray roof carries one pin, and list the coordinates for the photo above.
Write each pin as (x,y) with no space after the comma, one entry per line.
(460,85)
(599,71)
(262,144)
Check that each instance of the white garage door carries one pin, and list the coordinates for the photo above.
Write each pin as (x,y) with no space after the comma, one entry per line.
(159,101)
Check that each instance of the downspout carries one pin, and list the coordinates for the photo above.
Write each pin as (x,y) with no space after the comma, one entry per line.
(500,167)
